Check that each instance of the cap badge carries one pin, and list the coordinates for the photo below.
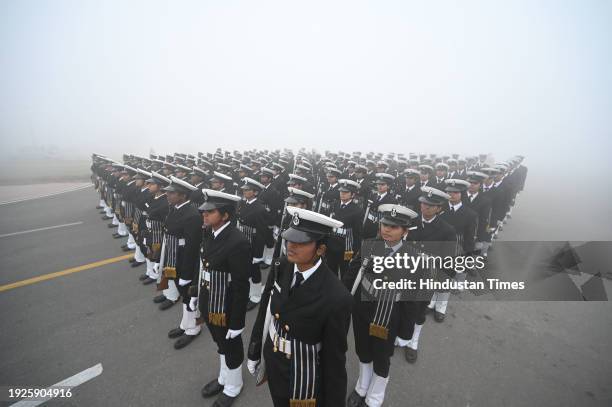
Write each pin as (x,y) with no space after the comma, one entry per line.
(393,212)
(296,219)
(429,194)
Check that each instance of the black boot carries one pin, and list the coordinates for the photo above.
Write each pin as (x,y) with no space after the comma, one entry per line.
(184,341)
(355,400)
(159,299)
(176,333)
(166,304)
(224,400)
(212,388)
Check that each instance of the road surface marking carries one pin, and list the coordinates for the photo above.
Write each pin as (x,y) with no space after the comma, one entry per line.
(23,232)
(72,382)
(62,273)
(47,195)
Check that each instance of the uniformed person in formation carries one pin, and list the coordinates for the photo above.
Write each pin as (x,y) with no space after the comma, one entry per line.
(435,237)
(481,204)
(252,220)
(377,312)
(157,210)
(180,253)
(409,196)
(345,241)
(223,287)
(383,196)
(300,332)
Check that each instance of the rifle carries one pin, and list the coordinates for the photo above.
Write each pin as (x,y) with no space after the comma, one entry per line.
(367,212)
(279,239)
(364,263)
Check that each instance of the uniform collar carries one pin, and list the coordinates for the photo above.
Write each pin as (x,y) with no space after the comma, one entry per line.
(216,232)
(430,220)
(456,206)
(306,273)
(181,205)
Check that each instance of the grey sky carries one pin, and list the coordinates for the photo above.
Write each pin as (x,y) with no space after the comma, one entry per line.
(506,77)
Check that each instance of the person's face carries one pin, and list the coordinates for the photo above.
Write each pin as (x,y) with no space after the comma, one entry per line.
(166,171)
(429,211)
(382,188)
(440,173)
(242,174)
(153,188)
(174,197)
(392,233)
(139,182)
(213,218)
(248,194)
(216,185)
(264,179)
(424,176)
(180,174)
(359,175)
(474,187)
(410,181)
(332,179)
(455,197)
(304,253)
(195,179)
(346,196)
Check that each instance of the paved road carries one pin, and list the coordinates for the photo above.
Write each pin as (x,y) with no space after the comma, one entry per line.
(484,354)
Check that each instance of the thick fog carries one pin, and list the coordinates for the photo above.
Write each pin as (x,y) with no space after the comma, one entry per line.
(500,77)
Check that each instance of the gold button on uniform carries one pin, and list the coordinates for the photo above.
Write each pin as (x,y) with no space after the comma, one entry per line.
(277,316)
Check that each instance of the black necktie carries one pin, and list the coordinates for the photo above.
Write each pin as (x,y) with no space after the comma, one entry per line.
(388,251)
(299,279)
(452,209)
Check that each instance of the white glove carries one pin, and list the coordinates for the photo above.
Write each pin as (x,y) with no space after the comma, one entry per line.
(231,334)
(252,365)
(193,304)
(183,282)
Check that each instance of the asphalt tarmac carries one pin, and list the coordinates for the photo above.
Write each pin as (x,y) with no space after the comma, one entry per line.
(484,354)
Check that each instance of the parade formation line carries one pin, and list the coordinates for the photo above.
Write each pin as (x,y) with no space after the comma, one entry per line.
(71,382)
(23,232)
(62,273)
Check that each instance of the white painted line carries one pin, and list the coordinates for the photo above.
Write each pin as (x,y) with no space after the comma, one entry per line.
(71,382)
(47,195)
(23,232)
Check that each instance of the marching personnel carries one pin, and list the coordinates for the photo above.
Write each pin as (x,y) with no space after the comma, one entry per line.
(224,291)
(465,221)
(157,210)
(412,190)
(273,203)
(198,178)
(382,197)
(361,172)
(298,199)
(344,241)
(441,175)
(426,175)
(181,245)
(301,332)
(331,194)
(481,204)
(433,236)
(222,183)
(462,218)
(252,220)
(377,312)
(139,198)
